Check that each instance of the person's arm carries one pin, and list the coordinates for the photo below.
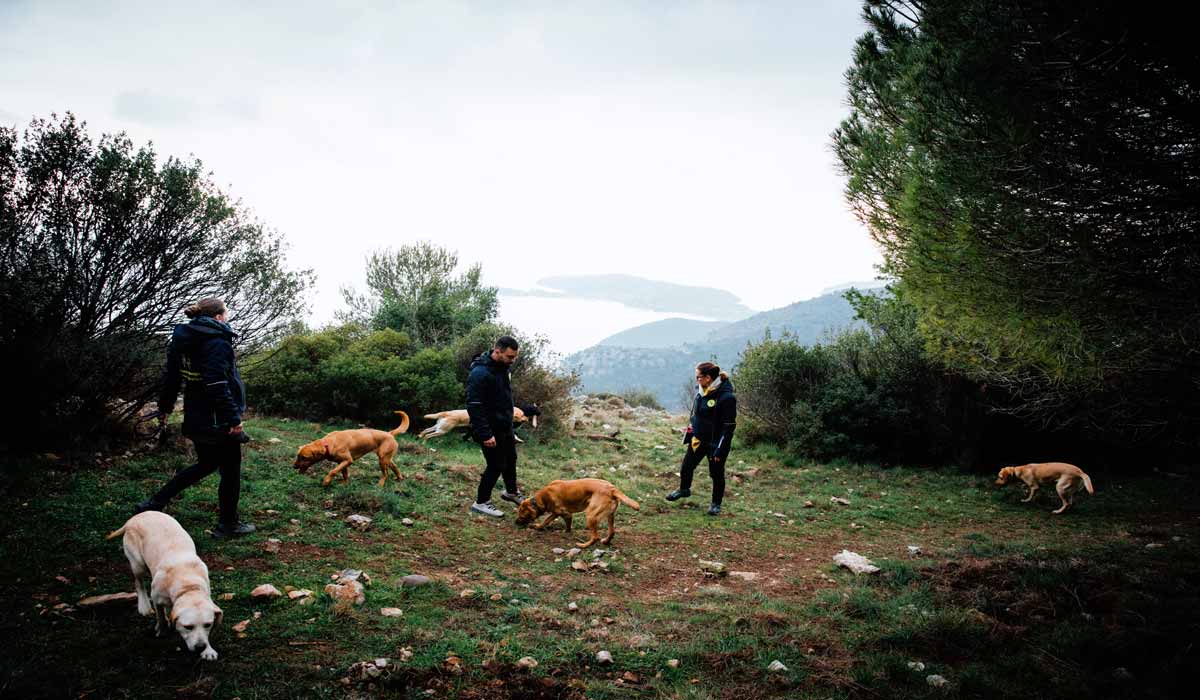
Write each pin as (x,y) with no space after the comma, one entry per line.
(477,397)
(214,373)
(728,422)
(171,380)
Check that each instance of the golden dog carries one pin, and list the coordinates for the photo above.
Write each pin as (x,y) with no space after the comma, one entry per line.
(448,421)
(345,446)
(560,499)
(1068,477)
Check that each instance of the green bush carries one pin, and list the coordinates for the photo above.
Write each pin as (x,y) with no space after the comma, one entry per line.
(641,397)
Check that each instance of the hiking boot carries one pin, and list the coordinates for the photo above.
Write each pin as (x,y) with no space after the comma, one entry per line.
(487,509)
(148,504)
(512,497)
(222,531)
(678,494)
(714,509)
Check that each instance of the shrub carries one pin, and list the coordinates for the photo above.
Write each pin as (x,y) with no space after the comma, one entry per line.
(641,397)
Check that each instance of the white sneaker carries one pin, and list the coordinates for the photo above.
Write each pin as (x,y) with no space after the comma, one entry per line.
(487,509)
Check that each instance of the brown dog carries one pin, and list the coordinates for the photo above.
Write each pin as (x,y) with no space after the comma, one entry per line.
(345,446)
(1068,477)
(597,497)
(448,421)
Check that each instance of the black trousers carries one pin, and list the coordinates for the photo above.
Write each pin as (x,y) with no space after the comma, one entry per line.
(501,462)
(716,470)
(223,457)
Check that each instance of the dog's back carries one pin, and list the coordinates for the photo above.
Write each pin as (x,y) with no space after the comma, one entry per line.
(156,539)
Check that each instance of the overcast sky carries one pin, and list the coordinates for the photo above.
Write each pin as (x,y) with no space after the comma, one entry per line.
(680,141)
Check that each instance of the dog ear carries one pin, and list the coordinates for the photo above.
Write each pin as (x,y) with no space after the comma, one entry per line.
(218,614)
(172,616)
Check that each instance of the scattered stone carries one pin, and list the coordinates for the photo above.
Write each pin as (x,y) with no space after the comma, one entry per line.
(936,681)
(391,612)
(630,677)
(527,663)
(274,440)
(272,545)
(712,568)
(99,600)
(1155,545)
(300,594)
(467,593)
(604,657)
(348,592)
(838,500)
(347,575)
(265,592)
(453,664)
(809,504)
(293,521)
(359,522)
(406,654)
(573,606)
(777,667)
(916,666)
(241,626)
(745,575)
(672,663)
(855,562)
(559,551)
(914,550)
(407,521)
(496,597)
(414,581)
(579,565)
(574,552)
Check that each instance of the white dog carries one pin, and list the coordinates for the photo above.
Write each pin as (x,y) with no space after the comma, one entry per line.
(178,594)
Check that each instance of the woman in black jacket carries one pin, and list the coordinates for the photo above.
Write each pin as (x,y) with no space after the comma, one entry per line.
(710,434)
(200,357)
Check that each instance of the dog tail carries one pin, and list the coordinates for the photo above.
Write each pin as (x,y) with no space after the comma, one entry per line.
(433,416)
(625,499)
(116,533)
(403,423)
(1087,483)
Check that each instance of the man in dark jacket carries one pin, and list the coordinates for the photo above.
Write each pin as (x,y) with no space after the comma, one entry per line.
(490,406)
(710,434)
(200,357)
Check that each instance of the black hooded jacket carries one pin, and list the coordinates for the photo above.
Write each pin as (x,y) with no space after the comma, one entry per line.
(714,418)
(489,398)
(201,358)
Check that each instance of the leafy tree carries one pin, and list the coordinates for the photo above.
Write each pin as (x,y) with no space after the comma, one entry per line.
(413,290)
(103,246)
(1030,170)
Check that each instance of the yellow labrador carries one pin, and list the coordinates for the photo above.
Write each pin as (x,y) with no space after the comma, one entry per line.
(1068,480)
(178,595)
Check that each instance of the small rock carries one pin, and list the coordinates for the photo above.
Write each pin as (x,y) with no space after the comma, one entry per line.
(496,597)
(916,666)
(559,551)
(579,565)
(574,552)
(274,440)
(855,562)
(406,654)
(838,500)
(407,521)
(630,677)
(348,575)
(604,657)
(809,504)
(467,593)
(299,594)
(712,568)
(241,626)
(1155,545)
(359,522)
(391,612)
(914,550)
(349,592)
(745,575)
(777,667)
(414,580)
(936,681)
(272,545)
(265,592)
(293,521)
(672,663)
(527,663)
(572,606)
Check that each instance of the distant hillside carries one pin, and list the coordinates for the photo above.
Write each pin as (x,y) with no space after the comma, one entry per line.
(667,333)
(666,371)
(641,293)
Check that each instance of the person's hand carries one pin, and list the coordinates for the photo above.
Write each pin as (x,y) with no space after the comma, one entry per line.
(236,430)
(490,442)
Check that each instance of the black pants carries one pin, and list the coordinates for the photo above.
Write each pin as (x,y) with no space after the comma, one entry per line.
(223,457)
(501,461)
(716,470)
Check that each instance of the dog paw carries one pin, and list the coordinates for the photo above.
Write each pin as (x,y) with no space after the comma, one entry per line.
(209,654)
(145,610)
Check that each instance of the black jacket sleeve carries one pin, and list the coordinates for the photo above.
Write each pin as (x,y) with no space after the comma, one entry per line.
(215,371)
(478,395)
(171,379)
(726,423)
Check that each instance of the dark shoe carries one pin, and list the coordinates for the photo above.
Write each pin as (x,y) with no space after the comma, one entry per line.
(714,509)
(512,497)
(148,504)
(222,531)
(678,494)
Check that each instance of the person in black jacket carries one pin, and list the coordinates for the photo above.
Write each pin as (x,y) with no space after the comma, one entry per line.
(200,357)
(490,406)
(710,434)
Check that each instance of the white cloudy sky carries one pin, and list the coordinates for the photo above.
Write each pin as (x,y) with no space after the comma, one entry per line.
(680,141)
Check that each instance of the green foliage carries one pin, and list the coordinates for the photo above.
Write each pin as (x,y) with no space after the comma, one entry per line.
(413,290)
(103,246)
(1028,172)
(641,397)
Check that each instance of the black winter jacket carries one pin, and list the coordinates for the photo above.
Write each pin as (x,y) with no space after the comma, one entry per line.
(714,418)
(201,358)
(489,398)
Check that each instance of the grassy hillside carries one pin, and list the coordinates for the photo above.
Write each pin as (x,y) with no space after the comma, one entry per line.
(1003,600)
